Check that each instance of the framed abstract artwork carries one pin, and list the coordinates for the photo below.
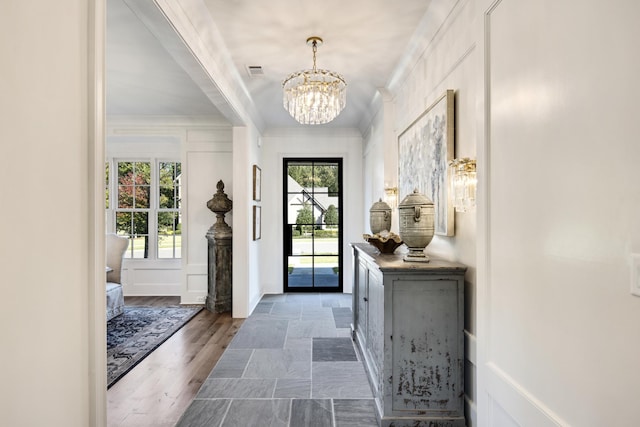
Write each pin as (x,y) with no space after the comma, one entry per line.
(425,149)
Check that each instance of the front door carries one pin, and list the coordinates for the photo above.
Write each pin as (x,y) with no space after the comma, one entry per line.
(312,225)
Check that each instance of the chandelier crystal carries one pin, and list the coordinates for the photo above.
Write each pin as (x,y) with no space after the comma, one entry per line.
(315,96)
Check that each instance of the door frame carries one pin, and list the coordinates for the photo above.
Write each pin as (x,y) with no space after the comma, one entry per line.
(97,328)
(286,241)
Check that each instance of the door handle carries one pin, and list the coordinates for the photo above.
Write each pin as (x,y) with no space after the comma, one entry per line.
(365,299)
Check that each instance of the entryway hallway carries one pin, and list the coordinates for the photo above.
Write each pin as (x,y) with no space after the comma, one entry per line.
(292,363)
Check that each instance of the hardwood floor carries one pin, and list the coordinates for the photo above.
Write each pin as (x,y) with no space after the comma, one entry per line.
(158,390)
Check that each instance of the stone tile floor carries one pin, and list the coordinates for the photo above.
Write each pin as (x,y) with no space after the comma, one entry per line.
(291,364)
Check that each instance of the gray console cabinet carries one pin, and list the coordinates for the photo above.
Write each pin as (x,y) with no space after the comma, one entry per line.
(408,323)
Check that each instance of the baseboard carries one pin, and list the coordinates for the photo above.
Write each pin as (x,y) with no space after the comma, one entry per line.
(193,298)
(151,289)
(470,411)
(517,402)
(253,304)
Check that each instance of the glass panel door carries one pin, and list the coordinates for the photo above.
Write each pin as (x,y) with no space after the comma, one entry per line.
(313,225)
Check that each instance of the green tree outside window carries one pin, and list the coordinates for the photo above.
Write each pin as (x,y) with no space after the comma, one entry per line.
(331,216)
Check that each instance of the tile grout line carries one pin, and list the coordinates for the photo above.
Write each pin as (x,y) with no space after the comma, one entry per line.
(244,371)
(311,369)
(224,417)
(290,411)
(333,413)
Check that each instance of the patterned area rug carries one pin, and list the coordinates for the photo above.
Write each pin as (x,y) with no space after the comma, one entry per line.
(133,335)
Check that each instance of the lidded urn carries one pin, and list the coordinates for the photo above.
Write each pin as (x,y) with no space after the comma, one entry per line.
(416,218)
(220,204)
(380,217)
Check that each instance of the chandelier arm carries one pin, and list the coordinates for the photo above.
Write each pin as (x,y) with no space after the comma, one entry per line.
(315,49)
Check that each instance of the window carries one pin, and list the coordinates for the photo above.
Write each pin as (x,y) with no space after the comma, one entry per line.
(147,207)
(169,218)
(132,211)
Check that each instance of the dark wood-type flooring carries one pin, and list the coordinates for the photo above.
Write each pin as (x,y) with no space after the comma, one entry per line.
(157,391)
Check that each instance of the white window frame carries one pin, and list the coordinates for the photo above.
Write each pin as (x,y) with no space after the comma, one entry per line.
(154,203)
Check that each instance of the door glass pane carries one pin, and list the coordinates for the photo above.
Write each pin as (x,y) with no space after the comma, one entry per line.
(299,209)
(326,178)
(324,243)
(326,272)
(301,244)
(300,176)
(331,219)
(300,272)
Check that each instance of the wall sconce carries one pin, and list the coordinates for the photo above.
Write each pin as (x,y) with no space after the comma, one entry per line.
(463,183)
(391,196)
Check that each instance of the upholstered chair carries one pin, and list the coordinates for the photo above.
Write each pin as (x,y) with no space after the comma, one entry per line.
(116,246)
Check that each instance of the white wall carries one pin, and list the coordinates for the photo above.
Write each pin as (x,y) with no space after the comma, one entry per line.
(558,203)
(246,252)
(205,149)
(224,86)
(558,327)
(48,252)
(307,142)
(373,167)
(207,156)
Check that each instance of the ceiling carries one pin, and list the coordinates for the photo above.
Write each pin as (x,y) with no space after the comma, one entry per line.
(142,79)
(364,40)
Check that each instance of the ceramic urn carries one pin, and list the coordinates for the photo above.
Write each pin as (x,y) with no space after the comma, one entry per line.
(416,217)
(380,217)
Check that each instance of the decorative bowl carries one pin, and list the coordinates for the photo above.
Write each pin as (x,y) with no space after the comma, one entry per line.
(386,244)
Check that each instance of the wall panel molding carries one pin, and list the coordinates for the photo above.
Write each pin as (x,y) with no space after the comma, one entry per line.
(506,401)
(207,156)
(518,402)
(455,65)
(209,147)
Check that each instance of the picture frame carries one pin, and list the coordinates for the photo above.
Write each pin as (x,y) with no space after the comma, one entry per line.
(257,183)
(257,222)
(425,149)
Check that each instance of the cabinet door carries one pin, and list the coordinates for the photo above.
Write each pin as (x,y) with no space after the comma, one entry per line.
(361,317)
(427,346)
(375,322)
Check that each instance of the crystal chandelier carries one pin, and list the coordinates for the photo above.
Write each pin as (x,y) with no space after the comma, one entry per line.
(314,97)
